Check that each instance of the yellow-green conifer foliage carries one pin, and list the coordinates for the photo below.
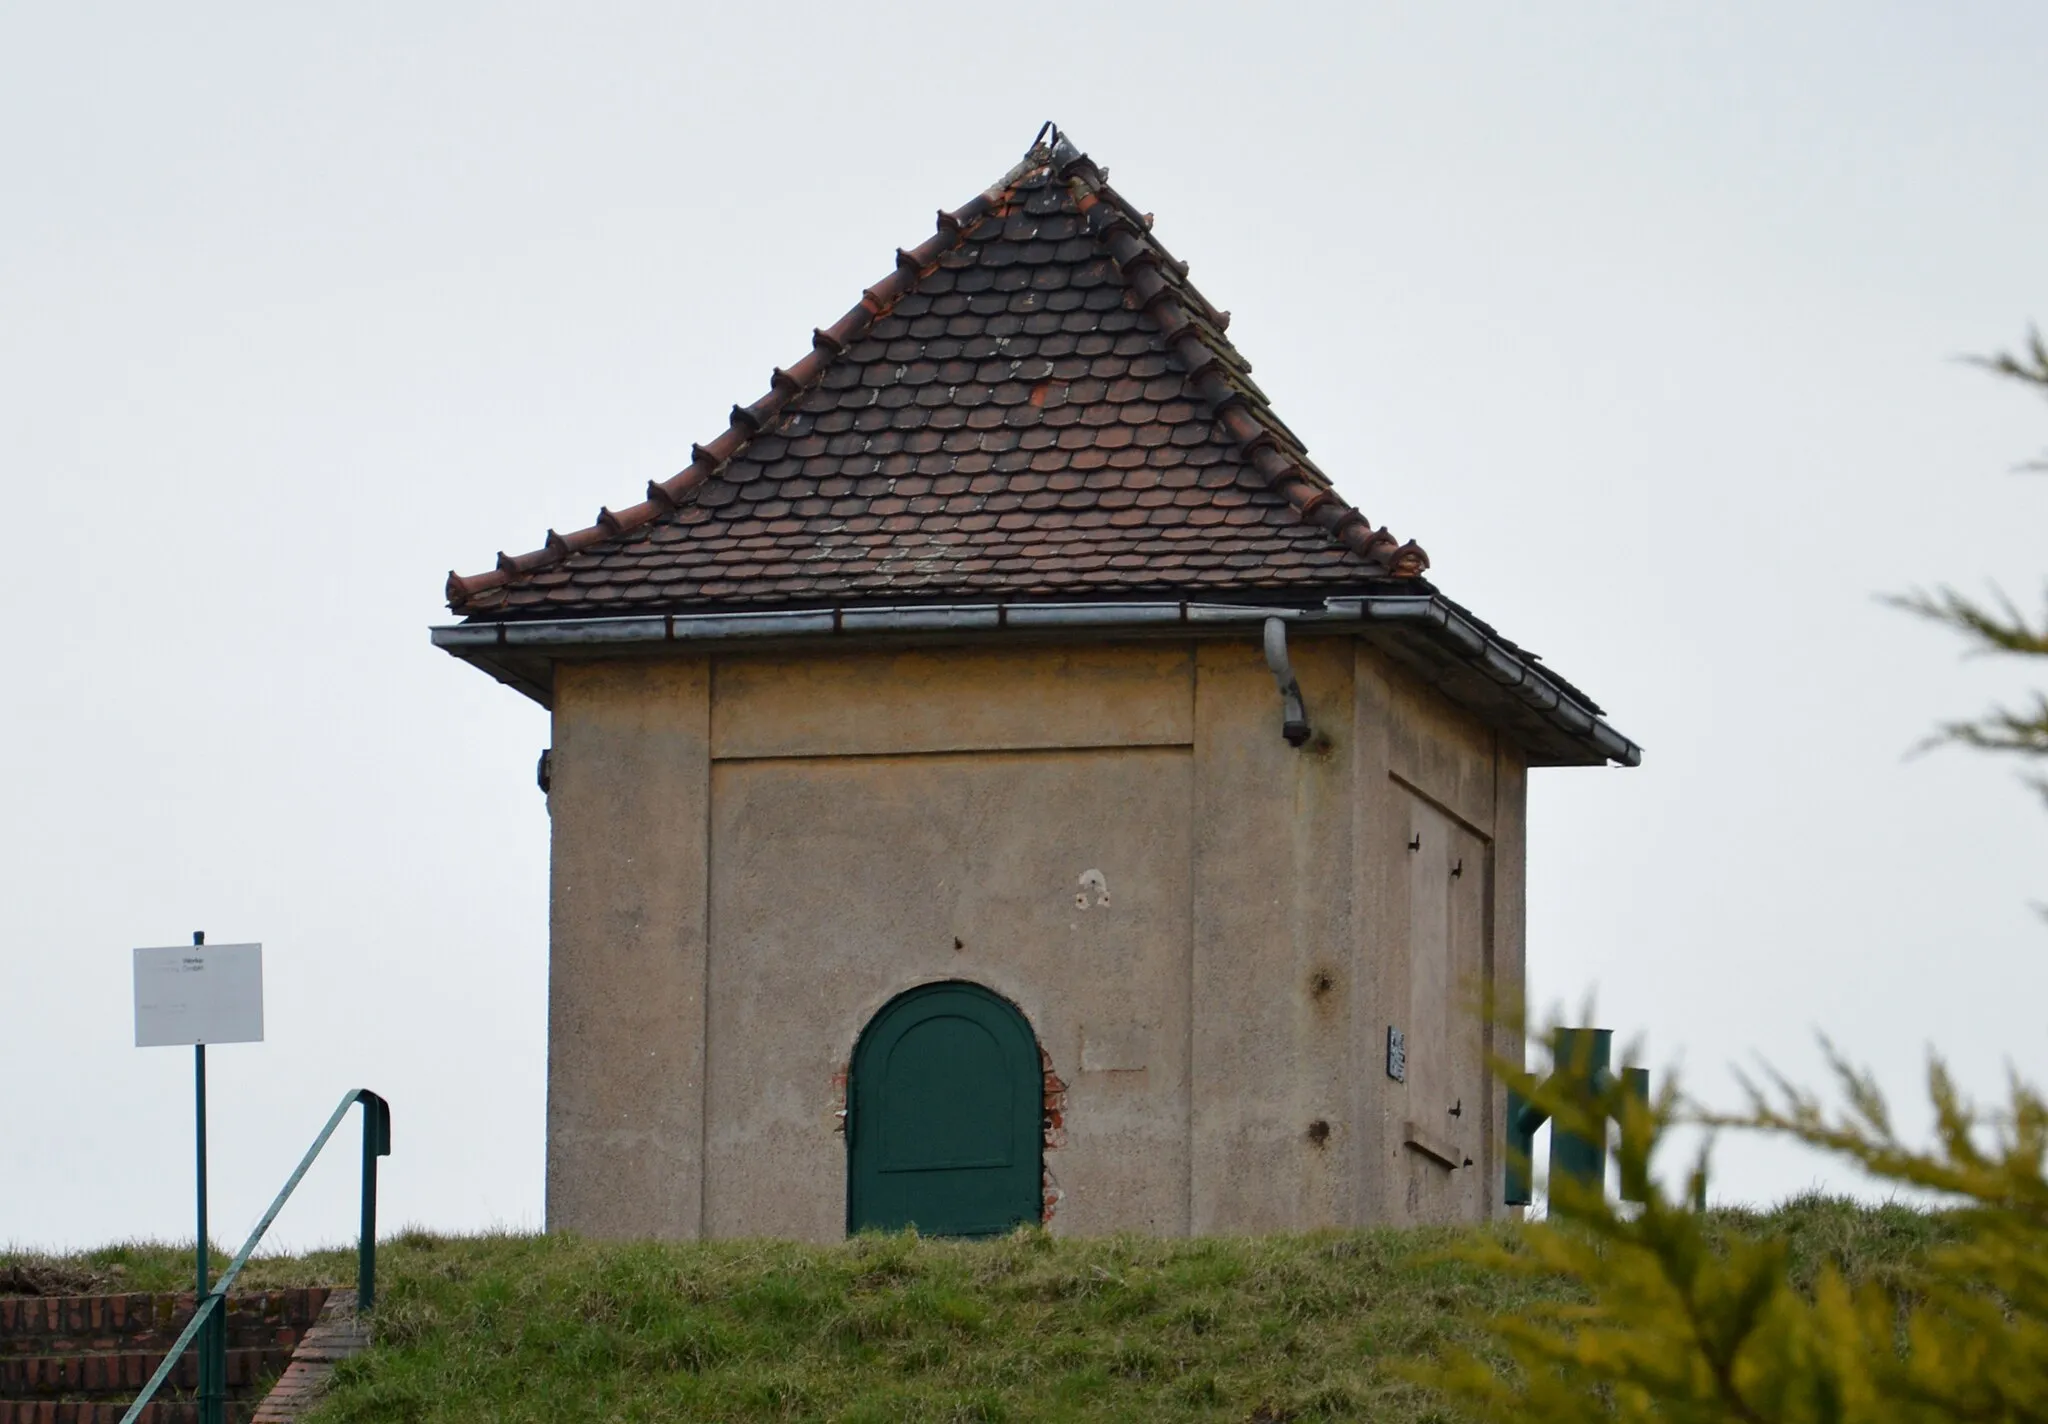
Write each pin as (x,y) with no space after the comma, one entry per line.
(1680,1322)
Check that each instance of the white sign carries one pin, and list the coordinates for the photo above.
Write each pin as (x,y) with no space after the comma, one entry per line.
(198,993)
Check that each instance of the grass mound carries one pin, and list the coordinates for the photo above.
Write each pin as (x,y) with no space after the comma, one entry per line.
(886,1330)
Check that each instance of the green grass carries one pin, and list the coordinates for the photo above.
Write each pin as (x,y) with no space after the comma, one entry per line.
(885,1330)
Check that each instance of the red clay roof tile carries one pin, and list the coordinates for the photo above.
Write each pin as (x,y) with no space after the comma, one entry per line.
(1034,402)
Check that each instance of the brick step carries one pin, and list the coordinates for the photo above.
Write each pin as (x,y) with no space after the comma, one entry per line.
(80,1411)
(56,1325)
(126,1371)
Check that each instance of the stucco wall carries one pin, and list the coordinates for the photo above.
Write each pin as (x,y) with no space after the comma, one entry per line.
(1436,793)
(631,768)
(838,883)
(1273,912)
(754,853)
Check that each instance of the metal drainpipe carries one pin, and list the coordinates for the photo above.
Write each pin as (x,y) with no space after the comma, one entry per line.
(1293,713)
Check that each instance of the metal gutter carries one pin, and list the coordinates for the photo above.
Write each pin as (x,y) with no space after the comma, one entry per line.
(1524,678)
(1427,614)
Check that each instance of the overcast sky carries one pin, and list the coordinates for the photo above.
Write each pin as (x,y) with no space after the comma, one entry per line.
(1643,319)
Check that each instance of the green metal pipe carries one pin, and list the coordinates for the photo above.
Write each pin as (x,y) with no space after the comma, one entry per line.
(1523,1120)
(1581,1055)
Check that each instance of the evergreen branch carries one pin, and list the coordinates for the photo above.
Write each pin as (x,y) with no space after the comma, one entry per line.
(2030,368)
(2004,630)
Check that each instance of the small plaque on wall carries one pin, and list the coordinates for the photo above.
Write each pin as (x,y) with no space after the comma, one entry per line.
(1397,1055)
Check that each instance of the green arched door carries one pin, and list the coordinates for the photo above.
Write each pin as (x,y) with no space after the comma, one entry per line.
(946,1125)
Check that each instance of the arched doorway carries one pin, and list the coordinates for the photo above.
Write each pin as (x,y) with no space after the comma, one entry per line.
(945,1125)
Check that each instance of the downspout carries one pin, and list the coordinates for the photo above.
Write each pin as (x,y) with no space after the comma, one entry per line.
(1293,714)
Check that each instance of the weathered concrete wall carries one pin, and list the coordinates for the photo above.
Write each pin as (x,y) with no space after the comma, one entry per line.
(627,932)
(1507,940)
(1439,874)
(884,820)
(964,699)
(837,883)
(1272,922)
(753,855)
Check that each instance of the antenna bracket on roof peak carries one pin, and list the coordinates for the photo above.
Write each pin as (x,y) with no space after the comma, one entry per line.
(1053,146)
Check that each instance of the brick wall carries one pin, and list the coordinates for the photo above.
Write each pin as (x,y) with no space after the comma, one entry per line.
(81,1359)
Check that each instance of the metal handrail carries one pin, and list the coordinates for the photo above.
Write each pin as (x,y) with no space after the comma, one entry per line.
(212,1311)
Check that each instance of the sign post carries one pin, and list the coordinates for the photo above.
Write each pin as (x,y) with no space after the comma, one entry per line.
(199,995)
(201,1249)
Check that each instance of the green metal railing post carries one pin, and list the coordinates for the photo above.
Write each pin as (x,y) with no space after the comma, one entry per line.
(376,1143)
(208,1325)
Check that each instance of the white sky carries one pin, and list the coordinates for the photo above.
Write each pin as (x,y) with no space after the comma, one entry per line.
(1643,323)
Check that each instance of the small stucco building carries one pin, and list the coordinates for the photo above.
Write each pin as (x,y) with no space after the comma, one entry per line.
(1001,779)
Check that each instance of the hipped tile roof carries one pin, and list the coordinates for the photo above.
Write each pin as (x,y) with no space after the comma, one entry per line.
(1034,404)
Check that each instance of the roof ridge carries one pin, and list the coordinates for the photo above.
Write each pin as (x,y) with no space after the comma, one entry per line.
(784,387)
(1196,337)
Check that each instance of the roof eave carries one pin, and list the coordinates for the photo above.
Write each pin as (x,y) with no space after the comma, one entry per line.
(1429,635)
